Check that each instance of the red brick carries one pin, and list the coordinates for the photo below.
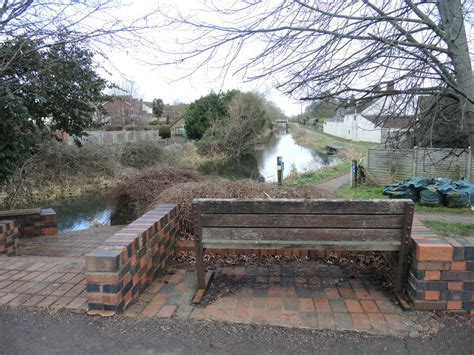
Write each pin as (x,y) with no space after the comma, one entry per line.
(452,305)
(167,311)
(369,306)
(458,266)
(241,314)
(48,301)
(360,321)
(322,305)
(432,275)
(332,293)
(435,252)
(353,306)
(175,278)
(377,321)
(258,302)
(346,293)
(361,294)
(306,304)
(275,303)
(455,285)
(151,309)
(33,300)
(432,295)
(102,278)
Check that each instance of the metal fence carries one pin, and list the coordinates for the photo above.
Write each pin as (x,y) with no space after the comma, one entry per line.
(388,165)
(118,137)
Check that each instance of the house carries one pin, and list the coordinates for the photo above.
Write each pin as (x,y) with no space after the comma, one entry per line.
(379,120)
(125,109)
(177,127)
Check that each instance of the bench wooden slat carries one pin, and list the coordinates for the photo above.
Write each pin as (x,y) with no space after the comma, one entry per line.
(303,221)
(303,234)
(306,245)
(300,206)
(20,212)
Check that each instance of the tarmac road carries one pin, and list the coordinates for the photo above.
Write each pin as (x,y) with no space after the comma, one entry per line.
(25,331)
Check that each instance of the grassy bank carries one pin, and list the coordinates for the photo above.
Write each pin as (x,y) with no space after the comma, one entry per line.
(319,176)
(450,229)
(315,139)
(375,192)
(59,170)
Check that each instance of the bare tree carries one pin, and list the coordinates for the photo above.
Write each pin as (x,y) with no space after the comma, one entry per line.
(361,50)
(99,22)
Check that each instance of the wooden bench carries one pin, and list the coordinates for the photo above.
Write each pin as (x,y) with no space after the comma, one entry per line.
(355,225)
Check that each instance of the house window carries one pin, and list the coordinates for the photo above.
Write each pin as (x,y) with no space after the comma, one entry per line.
(349,131)
(355,117)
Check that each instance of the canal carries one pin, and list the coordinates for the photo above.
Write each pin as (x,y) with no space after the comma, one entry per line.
(78,213)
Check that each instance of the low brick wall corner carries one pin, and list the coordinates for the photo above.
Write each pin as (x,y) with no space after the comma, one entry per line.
(441,274)
(119,269)
(9,238)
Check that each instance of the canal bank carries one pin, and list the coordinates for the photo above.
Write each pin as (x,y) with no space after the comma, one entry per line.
(83,212)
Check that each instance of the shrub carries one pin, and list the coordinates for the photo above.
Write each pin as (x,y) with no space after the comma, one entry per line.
(165,131)
(131,198)
(141,154)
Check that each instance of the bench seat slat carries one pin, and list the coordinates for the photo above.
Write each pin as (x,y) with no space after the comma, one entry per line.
(300,206)
(313,245)
(303,221)
(300,234)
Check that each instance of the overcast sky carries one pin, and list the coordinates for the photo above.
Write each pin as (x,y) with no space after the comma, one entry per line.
(153,81)
(162,82)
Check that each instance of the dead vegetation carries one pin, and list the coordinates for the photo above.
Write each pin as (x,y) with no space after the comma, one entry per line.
(131,198)
(183,194)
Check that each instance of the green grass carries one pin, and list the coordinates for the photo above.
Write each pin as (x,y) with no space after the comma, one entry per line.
(450,229)
(375,192)
(319,176)
(360,192)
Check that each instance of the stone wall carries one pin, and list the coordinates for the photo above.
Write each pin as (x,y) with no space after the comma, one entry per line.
(120,268)
(442,271)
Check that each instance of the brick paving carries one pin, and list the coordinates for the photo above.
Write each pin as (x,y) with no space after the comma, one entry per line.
(309,296)
(49,270)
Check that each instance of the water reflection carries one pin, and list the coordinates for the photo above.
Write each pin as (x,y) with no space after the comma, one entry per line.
(244,168)
(294,157)
(78,213)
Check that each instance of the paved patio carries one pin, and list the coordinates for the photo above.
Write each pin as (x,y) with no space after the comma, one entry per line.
(308,296)
(49,273)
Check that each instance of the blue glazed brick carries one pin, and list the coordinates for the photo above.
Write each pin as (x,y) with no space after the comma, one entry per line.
(469,286)
(432,285)
(470,266)
(127,288)
(100,260)
(112,288)
(93,288)
(95,306)
(468,305)
(457,275)
(455,295)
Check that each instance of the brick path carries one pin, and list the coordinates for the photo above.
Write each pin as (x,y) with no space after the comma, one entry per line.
(49,272)
(315,296)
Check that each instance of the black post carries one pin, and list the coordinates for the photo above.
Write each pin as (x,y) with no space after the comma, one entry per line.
(279,170)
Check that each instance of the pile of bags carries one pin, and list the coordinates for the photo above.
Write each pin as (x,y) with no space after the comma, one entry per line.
(434,192)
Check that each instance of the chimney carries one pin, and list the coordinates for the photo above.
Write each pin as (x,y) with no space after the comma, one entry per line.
(391,85)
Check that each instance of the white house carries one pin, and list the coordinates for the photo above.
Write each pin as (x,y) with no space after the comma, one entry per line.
(375,121)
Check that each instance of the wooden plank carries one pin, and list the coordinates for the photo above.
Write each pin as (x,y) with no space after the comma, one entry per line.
(300,206)
(313,245)
(401,272)
(20,212)
(302,234)
(199,250)
(303,221)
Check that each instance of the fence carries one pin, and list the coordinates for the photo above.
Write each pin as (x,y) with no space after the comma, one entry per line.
(388,165)
(117,137)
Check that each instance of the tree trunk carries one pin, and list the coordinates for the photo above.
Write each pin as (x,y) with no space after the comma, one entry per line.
(452,17)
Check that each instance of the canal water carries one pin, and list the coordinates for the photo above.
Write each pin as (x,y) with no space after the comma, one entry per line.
(78,213)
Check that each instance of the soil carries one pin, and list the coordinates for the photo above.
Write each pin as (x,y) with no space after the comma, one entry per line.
(370,268)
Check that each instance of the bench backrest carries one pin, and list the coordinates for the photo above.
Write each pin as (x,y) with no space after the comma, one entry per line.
(273,223)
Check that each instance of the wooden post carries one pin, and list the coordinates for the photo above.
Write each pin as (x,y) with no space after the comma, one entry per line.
(401,273)
(469,173)
(280,170)
(201,272)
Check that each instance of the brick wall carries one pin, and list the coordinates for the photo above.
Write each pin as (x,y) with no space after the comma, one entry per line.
(33,222)
(442,271)
(120,268)
(9,238)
